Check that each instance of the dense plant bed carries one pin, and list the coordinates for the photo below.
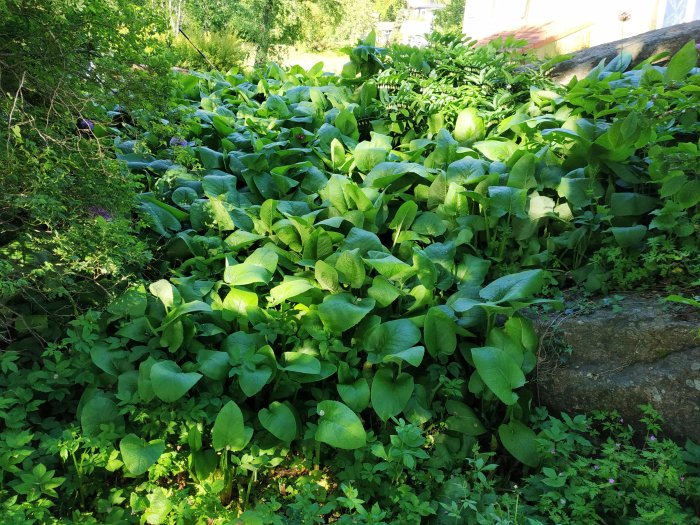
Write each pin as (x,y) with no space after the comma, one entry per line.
(336,336)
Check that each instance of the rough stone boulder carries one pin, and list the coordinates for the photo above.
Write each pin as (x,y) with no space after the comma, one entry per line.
(641,47)
(647,351)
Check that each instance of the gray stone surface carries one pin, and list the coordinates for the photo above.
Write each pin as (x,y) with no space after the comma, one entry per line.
(641,47)
(646,353)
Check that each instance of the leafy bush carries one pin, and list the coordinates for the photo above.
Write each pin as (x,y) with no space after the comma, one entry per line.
(222,50)
(333,332)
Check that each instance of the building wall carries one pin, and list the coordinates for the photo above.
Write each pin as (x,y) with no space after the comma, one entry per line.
(562,26)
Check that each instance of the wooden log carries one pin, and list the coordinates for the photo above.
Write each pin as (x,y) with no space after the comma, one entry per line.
(641,47)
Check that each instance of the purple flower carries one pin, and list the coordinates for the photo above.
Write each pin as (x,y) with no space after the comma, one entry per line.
(611,480)
(652,438)
(85,124)
(96,211)
(595,467)
(682,478)
(178,141)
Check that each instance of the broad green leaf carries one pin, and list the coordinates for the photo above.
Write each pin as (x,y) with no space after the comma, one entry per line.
(278,419)
(466,171)
(210,158)
(685,59)
(351,268)
(340,312)
(139,456)
(521,442)
(389,266)
(355,395)
(631,204)
(391,337)
(215,185)
(412,356)
(213,364)
(131,303)
(229,431)
(404,216)
(246,273)
(514,287)
(504,200)
(99,410)
(383,291)
(326,275)
(430,224)
(469,126)
(627,236)
(339,426)
(540,206)
(346,123)
(301,363)
(290,288)
(367,156)
(264,257)
(499,150)
(161,220)
(169,382)
(159,506)
(385,173)
(363,241)
(389,394)
(689,194)
(166,292)
(137,330)
(522,175)
(439,332)
(221,215)
(500,373)
(463,419)
(239,303)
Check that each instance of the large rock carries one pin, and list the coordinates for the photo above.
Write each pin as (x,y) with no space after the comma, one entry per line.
(646,352)
(641,47)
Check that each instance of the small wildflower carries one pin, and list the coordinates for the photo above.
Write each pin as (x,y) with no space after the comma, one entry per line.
(300,137)
(595,467)
(622,420)
(652,438)
(178,141)
(682,478)
(85,125)
(96,211)
(552,451)
(611,480)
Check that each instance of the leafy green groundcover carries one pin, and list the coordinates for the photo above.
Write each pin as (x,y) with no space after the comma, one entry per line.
(339,336)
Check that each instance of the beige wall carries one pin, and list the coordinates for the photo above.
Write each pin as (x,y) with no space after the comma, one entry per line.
(572,24)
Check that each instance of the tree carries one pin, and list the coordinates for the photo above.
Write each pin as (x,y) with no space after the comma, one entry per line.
(451,18)
(268,24)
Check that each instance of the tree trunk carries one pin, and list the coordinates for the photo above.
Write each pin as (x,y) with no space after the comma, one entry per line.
(641,47)
(263,42)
